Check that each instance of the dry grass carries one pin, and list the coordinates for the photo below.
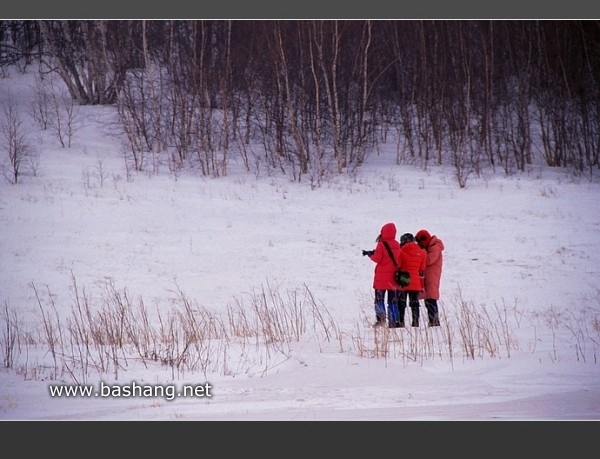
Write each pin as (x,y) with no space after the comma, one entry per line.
(107,335)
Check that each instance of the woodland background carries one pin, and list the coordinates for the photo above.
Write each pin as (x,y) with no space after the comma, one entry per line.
(321,95)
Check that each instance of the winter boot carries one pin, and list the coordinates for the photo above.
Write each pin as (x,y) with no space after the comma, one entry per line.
(393,320)
(415,316)
(401,316)
(379,321)
(432,312)
(401,308)
(379,313)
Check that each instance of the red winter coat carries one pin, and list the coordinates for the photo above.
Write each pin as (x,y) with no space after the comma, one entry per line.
(413,259)
(385,269)
(433,271)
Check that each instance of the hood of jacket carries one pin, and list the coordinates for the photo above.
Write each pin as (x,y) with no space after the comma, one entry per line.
(388,232)
(436,241)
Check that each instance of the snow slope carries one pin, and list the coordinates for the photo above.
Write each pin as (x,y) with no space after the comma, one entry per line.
(521,274)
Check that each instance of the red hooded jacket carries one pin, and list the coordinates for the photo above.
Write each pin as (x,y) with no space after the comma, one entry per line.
(384,269)
(414,260)
(433,271)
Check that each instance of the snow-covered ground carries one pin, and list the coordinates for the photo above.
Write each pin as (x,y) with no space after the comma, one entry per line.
(520,306)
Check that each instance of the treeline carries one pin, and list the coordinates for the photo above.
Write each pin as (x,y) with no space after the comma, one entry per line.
(319,96)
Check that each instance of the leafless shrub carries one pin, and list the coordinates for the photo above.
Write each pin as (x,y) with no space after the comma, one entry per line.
(104,334)
(63,122)
(51,327)
(16,143)
(9,341)
(41,106)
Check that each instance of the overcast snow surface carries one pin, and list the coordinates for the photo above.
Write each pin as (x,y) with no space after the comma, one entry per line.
(523,250)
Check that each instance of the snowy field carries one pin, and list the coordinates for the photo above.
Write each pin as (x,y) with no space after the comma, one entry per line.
(251,290)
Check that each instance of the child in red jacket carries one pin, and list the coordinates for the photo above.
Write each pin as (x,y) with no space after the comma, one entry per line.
(412,259)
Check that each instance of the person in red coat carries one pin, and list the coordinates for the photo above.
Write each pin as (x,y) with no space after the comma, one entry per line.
(383,279)
(412,259)
(433,273)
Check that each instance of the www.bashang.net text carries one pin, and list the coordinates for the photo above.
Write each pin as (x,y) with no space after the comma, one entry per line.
(167,391)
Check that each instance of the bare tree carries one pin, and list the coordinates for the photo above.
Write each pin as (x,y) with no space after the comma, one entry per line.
(15,139)
(316,94)
(91,57)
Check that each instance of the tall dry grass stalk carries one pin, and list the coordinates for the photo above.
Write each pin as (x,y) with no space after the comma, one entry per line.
(108,334)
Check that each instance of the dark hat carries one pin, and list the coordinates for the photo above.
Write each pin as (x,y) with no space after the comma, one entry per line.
(406,237)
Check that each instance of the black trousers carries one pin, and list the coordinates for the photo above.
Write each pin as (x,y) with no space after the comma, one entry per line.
(432,311)
(412,297)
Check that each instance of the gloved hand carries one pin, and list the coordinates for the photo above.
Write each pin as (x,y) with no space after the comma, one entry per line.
(368,252)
